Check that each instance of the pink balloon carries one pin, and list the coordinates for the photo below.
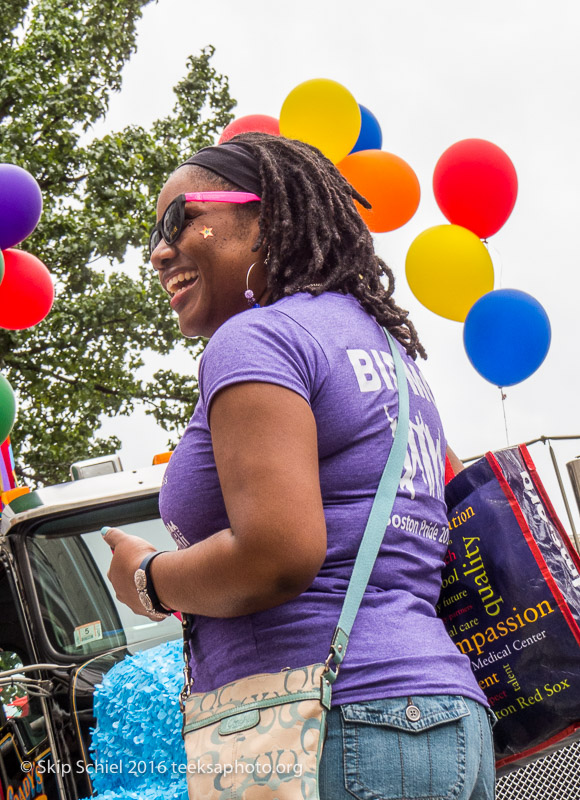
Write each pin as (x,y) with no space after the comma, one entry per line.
(252,123)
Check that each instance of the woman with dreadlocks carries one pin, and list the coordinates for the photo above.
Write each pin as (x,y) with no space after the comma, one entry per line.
(261,249)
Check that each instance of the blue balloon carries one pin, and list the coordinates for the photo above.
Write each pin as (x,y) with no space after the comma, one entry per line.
(506,336)
(370,136)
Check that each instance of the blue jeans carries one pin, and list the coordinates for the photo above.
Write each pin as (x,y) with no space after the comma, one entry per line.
(425,748)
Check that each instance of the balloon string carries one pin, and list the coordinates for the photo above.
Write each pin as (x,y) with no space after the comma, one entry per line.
(503,399)
(495,256)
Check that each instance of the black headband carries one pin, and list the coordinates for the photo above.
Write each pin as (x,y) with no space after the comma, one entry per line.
(233,161)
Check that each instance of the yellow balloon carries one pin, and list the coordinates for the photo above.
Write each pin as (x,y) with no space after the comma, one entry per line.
(323,113)
(448,268)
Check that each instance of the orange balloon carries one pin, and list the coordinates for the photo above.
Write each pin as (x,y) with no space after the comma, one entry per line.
(388,183)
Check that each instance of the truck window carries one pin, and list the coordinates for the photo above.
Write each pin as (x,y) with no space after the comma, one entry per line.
(80,612)
(75,604)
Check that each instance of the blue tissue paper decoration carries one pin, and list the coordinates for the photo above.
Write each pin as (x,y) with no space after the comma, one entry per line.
(137,745)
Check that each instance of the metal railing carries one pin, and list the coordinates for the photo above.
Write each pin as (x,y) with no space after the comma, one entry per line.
(548,440)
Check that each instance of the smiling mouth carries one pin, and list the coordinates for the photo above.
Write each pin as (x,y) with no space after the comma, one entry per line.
(180,282)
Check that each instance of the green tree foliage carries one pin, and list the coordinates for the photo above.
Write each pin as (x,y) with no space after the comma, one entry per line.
(60,60)
(8,661)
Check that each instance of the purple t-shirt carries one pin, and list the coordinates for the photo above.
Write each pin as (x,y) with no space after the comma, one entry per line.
(335,356)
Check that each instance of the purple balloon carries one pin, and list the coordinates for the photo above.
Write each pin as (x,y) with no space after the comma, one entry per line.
(20,205)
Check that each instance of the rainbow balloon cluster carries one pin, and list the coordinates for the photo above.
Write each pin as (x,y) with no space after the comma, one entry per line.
(26,289)
(325,114)
(507,332)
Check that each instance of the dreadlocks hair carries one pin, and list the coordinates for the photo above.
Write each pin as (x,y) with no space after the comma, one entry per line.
(315,235)
(315,238)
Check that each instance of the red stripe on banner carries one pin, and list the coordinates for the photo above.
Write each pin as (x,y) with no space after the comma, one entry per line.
(531,467)
(535,550)
(449,471)
(543,746)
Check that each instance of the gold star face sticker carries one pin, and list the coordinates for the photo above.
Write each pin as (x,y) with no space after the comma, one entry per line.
(205,232)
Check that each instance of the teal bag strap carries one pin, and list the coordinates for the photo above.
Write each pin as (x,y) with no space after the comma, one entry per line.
(377,521)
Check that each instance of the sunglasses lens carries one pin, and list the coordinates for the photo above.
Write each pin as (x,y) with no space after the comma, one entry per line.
(170,226)
(172,221)
(154,240)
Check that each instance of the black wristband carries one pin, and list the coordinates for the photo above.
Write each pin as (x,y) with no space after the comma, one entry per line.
(145,587)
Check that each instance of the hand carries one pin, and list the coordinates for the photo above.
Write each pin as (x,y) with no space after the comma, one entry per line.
(129,552)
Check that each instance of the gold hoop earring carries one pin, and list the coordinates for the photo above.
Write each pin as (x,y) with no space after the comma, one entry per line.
(249,294)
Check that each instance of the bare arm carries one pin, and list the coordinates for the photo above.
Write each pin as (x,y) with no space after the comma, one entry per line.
(265,447)
(456,463)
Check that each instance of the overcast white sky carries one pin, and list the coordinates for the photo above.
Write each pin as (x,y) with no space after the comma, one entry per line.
(433,72)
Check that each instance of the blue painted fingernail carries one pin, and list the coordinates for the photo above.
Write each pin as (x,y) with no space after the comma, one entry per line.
(104,530)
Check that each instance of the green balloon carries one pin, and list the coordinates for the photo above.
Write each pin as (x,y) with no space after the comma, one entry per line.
(7,408)
(1,266)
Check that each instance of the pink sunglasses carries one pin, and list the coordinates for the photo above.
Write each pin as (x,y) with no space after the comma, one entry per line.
(170,225)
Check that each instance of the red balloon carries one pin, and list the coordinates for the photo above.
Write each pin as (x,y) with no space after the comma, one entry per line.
(26,293)
(252,123)
(476,185)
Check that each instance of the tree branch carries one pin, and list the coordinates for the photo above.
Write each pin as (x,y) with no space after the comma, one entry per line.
(64,378)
